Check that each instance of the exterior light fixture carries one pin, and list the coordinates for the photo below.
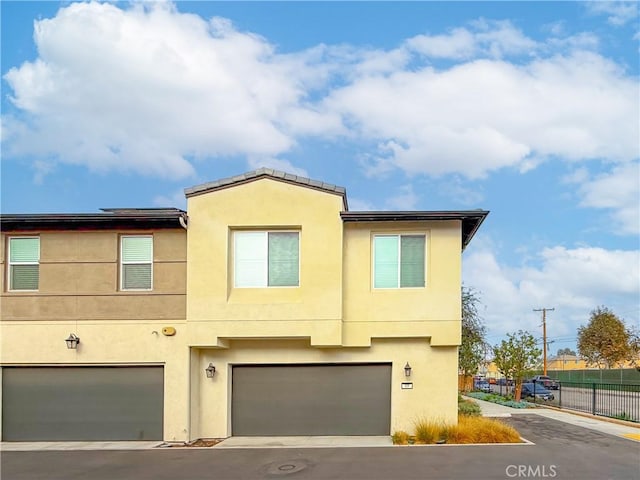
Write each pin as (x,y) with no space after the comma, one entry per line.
(407,370)
(210,370)
(72,341)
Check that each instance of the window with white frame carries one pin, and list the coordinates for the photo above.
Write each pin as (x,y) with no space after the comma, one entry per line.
(136,262)
(399,261)
(24,263)
(266,259)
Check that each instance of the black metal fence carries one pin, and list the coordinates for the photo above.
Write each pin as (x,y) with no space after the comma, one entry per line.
(611,400)
(605,399)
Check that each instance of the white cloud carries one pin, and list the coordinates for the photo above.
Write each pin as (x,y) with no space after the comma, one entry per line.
(149,88)
(483,115)
(486,38)
(405,199)
(360,205)
(175,199)
(573,281)
(465,195)
(277,164)
(619,192)
(619,13)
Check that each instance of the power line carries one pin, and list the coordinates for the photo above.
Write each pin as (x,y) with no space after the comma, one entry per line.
(544,335)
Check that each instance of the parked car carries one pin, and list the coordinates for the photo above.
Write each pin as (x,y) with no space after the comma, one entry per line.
(483,386)
(546,382)
(541,392)
(505,381)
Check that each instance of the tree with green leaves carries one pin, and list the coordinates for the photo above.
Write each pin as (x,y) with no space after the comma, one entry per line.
(473,346)
(565,351)
(605,340)
(517,357)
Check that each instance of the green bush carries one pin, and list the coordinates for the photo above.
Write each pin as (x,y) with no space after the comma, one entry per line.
(469,408)
(492,397)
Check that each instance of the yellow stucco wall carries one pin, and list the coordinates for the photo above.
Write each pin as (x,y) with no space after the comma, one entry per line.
(434,378)
(335,303)
(334,316)
(263,205)
(125,342)
(432,311)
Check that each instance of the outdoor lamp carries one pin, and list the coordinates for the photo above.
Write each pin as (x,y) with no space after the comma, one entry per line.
(210,370)
(407,370)
(72,341)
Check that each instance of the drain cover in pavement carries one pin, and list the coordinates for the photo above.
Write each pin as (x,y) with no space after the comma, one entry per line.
(286,467)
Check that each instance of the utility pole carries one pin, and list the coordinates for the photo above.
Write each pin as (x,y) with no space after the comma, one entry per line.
(544,336)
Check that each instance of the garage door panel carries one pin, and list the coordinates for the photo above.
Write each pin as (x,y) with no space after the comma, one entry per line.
(82,403)
(311,400)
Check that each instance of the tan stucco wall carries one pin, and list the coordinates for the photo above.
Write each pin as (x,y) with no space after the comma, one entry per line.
(79,293)
(434,393)
(79,275)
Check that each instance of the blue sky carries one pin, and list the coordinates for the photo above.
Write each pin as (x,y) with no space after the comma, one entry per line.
(527,109)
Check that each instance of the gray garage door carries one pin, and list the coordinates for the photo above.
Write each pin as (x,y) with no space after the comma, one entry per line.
(311,400)
(82,403)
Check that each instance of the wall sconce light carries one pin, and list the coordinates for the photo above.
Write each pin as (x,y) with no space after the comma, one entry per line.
(210,370)
(72,341)
(407,370)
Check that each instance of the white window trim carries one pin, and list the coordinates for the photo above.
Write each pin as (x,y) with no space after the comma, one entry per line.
(123,263)
(10,263)
(266,246)
(397,234)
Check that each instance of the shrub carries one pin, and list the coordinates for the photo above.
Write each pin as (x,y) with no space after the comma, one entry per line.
(488,430)
(470,429)
(469,408)
(491,397)
(428,431)
(400,438)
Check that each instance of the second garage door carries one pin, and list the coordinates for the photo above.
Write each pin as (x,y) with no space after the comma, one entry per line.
(311,400)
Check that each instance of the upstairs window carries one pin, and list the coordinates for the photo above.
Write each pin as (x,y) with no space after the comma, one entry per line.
(399,261)
(24,263)
(266,259)
(136,256)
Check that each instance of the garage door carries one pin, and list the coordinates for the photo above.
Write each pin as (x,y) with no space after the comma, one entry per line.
(82,403)
(311,400)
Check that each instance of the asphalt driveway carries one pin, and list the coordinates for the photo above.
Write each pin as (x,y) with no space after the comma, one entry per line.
(561,451)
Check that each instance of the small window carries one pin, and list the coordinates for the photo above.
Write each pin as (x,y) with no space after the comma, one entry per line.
(24,263)
(136,257)
(399,261)
(266,259)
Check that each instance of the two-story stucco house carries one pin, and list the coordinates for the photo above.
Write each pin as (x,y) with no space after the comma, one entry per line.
(267,308)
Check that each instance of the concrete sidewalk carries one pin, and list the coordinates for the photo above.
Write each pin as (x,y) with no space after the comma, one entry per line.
(30,446)
(488,409)
(306,442)
(601,424)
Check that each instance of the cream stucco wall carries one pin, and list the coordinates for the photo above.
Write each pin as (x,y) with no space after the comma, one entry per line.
(433,311)
(126,342)
(312,309)
(434,378)
(334,316)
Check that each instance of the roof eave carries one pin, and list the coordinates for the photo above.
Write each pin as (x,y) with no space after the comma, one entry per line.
(470,219)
